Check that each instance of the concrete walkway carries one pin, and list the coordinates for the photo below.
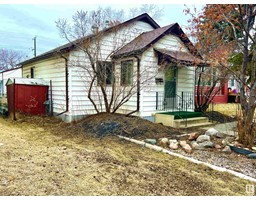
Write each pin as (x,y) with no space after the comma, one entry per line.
(226,128)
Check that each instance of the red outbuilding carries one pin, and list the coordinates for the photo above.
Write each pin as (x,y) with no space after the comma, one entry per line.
(27,96)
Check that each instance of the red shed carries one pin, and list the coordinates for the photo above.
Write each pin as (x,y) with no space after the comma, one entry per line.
(27,95)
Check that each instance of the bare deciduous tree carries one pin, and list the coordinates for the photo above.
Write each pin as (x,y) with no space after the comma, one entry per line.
(153,10)
(109,83)
(9,58)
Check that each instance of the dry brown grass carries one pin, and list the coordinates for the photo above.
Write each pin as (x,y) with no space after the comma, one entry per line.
(44,156)
(229,109)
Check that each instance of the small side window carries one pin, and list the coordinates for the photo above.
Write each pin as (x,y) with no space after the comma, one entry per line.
(32,72)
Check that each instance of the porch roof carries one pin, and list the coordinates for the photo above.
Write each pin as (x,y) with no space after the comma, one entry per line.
(178,57)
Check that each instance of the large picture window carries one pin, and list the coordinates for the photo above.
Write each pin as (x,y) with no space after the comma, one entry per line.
(104,72)
(126,72)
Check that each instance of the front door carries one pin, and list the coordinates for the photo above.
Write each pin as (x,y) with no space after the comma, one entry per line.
(170,88)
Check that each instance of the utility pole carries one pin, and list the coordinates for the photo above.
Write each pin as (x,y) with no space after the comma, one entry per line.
(34,46)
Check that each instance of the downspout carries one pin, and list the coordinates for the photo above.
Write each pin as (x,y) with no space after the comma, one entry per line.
(66,80)
(138,87)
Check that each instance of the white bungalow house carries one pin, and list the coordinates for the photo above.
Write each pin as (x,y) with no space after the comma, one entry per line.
(137,49)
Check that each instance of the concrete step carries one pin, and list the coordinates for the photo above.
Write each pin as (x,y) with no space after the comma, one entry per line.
(196,125)
(192,122)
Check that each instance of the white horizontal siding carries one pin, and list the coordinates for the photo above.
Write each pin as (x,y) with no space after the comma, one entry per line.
(81,79)
(51,69)
(4,76)
(185,75)
(171,42)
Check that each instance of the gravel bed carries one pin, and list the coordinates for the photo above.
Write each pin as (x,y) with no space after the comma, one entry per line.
(233,161)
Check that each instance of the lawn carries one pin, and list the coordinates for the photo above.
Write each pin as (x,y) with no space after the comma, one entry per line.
(44,156)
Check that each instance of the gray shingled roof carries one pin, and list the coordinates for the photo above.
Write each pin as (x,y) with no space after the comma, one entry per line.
(146,39)
(142,41)
(66,47)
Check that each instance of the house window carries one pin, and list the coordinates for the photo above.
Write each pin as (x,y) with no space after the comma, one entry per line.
(126,72)
(232,82)
(104,72)
(32,72)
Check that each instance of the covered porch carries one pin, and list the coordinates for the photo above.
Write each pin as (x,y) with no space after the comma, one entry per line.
(174,101)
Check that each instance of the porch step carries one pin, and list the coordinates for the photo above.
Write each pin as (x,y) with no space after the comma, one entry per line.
(192,122)
(197,125)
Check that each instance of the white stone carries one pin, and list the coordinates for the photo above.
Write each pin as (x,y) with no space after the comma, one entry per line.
(211,132)
(217,146)
(173,141)
(220,135)
(203,138)
(224,142)
(226,149)
(194,145)
(183,143)
(187,148)
(206,144)
(163,142)
(173,146)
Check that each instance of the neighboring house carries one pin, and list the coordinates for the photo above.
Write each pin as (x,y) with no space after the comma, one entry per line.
(233,85)
(5,75)
(165,53)
(220,91)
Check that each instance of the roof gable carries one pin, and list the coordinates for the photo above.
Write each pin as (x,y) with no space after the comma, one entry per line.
(147,39)
(71,45)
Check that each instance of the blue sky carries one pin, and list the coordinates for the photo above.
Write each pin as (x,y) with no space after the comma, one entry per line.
(19,23)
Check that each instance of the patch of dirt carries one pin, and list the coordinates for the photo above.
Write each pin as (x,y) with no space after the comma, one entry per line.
(108,124)
(45,156)
(219,117)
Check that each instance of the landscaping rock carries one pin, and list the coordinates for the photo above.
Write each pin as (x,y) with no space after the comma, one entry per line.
(203,138)
(224,142)
(163,142)
(183,143)
(252,155)
(173,141)
(237,144)
(220,135)
(193,136)
(150,141)
(187,148)
(174,145)
(226,149)
(217,146)
(211,132)
(194,145)
(206,144)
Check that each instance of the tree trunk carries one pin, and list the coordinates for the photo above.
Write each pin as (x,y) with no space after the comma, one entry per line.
(246,128)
